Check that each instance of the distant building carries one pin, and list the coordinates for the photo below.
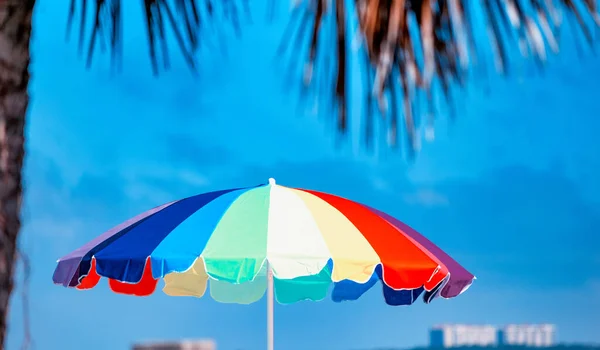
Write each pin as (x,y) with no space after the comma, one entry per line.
(457,335)
(204,344)
(436,338)
(541,335)
(448,336)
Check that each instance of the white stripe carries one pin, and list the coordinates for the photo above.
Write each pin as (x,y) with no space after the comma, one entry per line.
(295,246)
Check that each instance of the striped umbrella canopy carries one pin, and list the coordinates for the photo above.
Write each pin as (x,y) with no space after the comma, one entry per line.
(295,243)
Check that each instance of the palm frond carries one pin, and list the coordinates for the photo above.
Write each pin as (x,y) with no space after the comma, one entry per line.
(187,20)
(427,47)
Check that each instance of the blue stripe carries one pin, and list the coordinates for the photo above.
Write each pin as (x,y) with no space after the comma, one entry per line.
(124,259)
(84,265)
(349,290)
(401,297)
(435,292)
(179,250)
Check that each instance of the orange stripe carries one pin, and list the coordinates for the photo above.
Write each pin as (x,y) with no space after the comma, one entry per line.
(405,264)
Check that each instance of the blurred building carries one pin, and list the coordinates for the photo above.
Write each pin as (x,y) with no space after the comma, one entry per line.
(456,335)
(533,335)
(202,344)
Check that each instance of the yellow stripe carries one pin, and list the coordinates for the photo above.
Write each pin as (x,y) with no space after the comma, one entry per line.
(189,283)
(353,257)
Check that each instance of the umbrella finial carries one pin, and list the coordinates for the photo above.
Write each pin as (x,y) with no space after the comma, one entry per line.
(271,181)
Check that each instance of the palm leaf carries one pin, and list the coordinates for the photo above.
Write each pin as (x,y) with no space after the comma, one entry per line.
(414,49)
(428,47)
(187,20)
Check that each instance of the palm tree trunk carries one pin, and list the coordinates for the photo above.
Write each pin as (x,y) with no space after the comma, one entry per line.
(15,30)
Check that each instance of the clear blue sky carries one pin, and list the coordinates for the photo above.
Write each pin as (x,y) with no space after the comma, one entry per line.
(510,190)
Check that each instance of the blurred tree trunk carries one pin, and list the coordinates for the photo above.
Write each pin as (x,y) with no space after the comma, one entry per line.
(15,31)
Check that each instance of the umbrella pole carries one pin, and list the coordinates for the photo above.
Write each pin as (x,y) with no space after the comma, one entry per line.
(270,298)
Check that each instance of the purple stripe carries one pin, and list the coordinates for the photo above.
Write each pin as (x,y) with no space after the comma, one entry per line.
(67,274)
(460,278)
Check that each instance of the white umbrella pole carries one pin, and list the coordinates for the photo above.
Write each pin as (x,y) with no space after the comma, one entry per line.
(270,298)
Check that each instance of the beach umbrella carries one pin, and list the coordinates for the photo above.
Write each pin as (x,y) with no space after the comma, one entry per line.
(292,243)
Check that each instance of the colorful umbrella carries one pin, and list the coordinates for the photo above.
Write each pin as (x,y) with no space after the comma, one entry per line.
(293,243)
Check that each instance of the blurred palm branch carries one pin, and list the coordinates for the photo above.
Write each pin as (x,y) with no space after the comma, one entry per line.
(190,22)
(410,48)
(425,47)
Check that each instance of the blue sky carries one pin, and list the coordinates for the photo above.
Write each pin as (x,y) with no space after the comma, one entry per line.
(510,189)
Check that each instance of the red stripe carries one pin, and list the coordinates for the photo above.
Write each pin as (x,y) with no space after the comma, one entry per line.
(406,264)
(439,275)
(146,286)
(91,279)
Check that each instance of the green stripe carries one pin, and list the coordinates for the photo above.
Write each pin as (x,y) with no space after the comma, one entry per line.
(238,246)
(314,287)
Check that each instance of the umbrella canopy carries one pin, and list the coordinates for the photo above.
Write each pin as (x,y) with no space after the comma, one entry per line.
(234,238)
